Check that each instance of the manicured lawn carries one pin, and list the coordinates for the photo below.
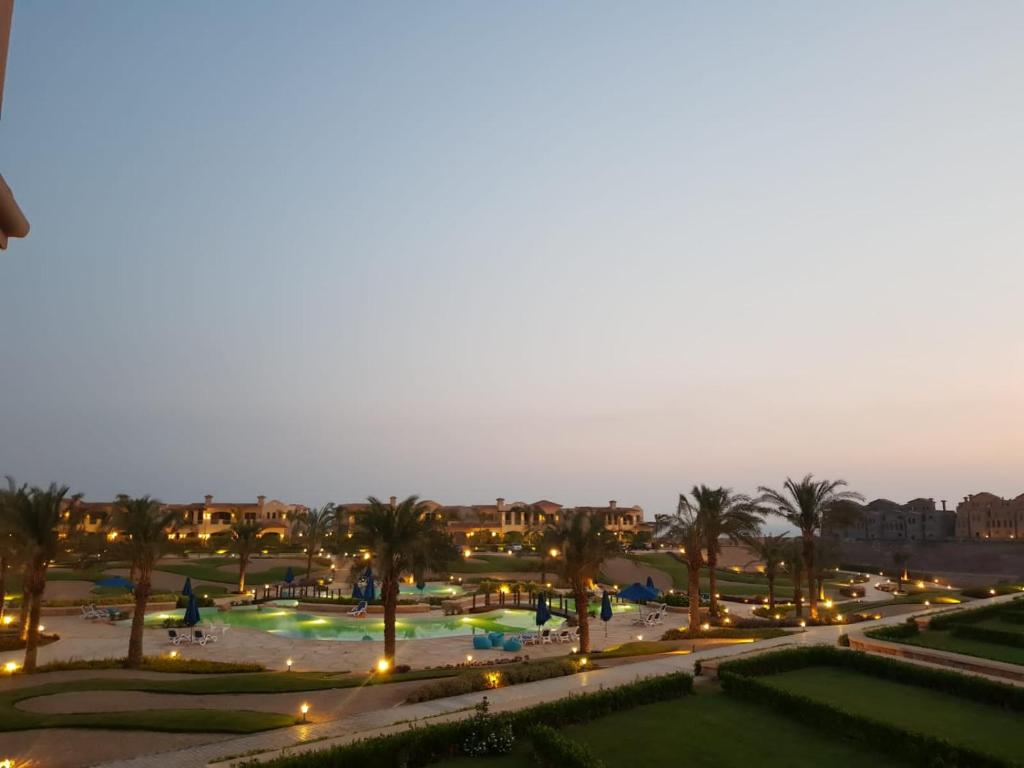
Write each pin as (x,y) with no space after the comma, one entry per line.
(729,583)
(488,563)
(708,730)
(943,640)
(986,728)
(209,570)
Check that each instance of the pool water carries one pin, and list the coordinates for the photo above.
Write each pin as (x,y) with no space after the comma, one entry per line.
(307,626)
(432,589)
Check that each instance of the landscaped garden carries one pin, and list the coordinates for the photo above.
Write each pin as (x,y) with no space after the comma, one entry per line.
(992,632)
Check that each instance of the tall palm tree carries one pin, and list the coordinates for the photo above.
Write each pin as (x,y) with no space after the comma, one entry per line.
(544,538)
(402,537)
(795,568)
(804,503)
(9,549)
(143,523)
(313,525)
(584,545)
(34,516)
(245,540)
(729,515)
(685,527)
(772,550)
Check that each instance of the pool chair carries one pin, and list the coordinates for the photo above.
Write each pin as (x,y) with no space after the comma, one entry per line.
(175,639)
(202,638)
(528,638)
(567,635)
(92,612)
(546,637)
(217,629)
(359,611)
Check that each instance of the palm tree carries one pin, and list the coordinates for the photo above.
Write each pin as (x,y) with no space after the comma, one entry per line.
(34,516)
(143,523)
(804,504)
(795,567)
(402,537)
(245,539)
(771,550)
(584,545)
(9,549)
(726,514)
(544,537)
(686,528)
(313,525)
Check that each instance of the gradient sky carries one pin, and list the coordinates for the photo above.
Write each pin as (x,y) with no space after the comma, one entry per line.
(576,251)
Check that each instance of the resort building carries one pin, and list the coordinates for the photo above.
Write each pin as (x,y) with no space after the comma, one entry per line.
(481,523)
(987,516)
(196,521)
(885,520)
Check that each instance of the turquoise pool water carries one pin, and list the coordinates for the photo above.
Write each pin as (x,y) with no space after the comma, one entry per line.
(432,589)
(307,626)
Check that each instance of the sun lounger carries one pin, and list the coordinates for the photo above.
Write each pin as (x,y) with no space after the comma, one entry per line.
(202,638)
(92,612)
(174,638)
(359,610)
(546,637)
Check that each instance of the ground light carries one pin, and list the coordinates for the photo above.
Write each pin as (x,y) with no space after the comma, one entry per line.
(304,709)
(583,661)
(11,667)
(172,655)
(383,665)
(469,657)
(288,663)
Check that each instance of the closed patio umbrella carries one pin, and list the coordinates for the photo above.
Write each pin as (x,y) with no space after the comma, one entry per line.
(191,617)
(289,575)
(606,610)
(369,591)
(187,589)
(543,613)
(650,585)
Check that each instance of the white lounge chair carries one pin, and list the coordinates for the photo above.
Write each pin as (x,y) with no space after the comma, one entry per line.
(528,638)
(359,610)
(91,612)
(546,638)
(175,639)
(202,638)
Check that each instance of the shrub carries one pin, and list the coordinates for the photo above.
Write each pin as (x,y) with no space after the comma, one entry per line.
(894,631)
(987,635)
(156,664)
(843,640)
(553,750)
(758,632)
(487,734)
(949,619)
(11,641)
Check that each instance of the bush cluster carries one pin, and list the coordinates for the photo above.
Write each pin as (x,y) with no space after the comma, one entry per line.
(553,750)
(156,664)
(989,635)
(894,631)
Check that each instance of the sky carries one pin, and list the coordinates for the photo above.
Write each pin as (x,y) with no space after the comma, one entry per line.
(578,251)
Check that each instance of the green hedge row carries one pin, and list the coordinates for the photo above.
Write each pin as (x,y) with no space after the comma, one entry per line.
(987,635)
(918,748)
(420,746)
(965,686)
(553,750)
(894,631)
(953,618)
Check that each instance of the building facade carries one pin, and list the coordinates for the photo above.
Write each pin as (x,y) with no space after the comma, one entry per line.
(480,524)
(884,520)
(987,516)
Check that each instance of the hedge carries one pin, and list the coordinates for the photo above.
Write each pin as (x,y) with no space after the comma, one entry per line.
(950,619)
(553,750)
(894,631)
(965,686)
(481,680)
(422,745)
(987,635)
(918,748)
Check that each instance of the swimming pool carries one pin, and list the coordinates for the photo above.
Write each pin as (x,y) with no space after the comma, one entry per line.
(308,626)
(432,589)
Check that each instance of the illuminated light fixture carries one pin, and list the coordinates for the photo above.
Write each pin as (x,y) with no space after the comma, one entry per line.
(991,591)
(469,657)
(11,667)
(288,663)
(553,552)
(574,649)
(802,623)
(383,665)
(172,655)
(639,637)
(583,661)
(304,709)
(705,626)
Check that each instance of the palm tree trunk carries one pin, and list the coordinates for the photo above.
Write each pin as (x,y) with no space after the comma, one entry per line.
(3,584)
(38,585)
(243,563)
(771,591)
(713,580)
(26,606)
(389,595)
(543,568)
(812,596)
(309,562)
(582,615)
(798,595)
(142,590)
(694,595)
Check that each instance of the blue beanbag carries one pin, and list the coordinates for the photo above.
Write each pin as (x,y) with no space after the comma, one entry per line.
(513,644)
(497,638)
(481,642)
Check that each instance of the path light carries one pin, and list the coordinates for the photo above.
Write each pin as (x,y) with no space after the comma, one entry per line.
(469,658)
(8,620)
(288,663)
(574,649)
(172,655)
(927,602)
(583,661)
(639,637)
(705,626)
(11,667)
(304,709)
(41,628)
(991,591)
(383,665)
(8,763)
(828,603)
(802,623)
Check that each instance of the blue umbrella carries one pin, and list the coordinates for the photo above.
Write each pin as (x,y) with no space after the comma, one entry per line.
(191,617)
(115,582)
(421,585)
(543,614)
(638,593)
(187,589)
(369,593)
(606,610)
(650,585)
(289,575)
(357,593)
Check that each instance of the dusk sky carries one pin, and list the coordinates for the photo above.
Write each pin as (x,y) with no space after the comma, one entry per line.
(575,251)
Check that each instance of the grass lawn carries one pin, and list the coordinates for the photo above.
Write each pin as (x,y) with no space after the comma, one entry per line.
(209,721)
(943,640)
(708,730)
(986,728)
(209,570)
(487,563)
(729,583)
